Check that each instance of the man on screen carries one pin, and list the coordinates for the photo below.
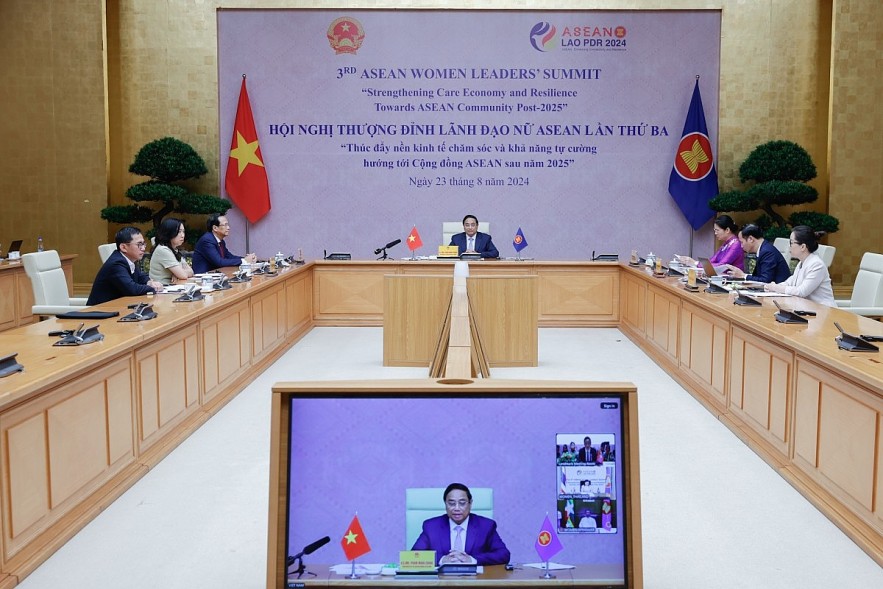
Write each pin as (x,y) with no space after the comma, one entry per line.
(458,536)
(587,454)
(471,241)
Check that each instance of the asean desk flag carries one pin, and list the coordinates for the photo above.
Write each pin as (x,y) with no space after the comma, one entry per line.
(354,542)
(414,240)
(547,544)
(519,242)
(693,180)
(246,180)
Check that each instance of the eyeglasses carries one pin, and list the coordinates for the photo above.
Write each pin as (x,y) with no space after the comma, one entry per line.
(470,224)
(140,245)
(461,503)
(792,242)
(223,224)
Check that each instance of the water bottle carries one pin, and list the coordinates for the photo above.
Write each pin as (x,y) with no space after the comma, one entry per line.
(39,244)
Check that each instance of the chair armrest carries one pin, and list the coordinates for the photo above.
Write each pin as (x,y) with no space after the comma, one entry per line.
(866,311)
(54,309)
(78,301)
(844,302)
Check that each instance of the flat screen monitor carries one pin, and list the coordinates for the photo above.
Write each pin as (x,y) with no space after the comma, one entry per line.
(346,449)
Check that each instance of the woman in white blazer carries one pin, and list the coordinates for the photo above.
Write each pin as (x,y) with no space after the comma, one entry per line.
(810,279)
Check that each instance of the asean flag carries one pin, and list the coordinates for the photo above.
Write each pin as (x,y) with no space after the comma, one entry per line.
(548,544)
(693,180)
(246,180)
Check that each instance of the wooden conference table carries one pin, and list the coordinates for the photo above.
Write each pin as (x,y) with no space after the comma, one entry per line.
(82,424)
(493,576)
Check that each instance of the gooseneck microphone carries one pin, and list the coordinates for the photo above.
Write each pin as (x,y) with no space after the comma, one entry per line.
(309,549)
(389,245)
(316,545)
(382,250)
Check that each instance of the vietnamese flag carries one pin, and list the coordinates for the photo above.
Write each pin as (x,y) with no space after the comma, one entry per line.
(354,542)
(246,181)
(414,240)
(548,544)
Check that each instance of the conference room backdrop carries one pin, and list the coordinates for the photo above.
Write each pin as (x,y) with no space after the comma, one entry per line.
(563,123)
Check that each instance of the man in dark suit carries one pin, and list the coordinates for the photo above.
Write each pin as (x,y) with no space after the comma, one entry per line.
(587,454)
(771,265)
(120,275)
(471,241)
(211,250)
(458,536)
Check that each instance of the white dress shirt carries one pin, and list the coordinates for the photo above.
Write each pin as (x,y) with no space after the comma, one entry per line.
(454,525)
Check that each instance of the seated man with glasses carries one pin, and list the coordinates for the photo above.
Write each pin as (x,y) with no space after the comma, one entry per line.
(211,250)
(458,537)
(120,275)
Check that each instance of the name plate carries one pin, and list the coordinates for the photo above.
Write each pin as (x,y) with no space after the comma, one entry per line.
(448,251)
(417,560)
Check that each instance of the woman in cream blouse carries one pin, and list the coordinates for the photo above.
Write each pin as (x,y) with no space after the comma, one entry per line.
(166,262)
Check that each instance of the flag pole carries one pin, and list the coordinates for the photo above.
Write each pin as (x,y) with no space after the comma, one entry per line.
(692,232)
(247,241)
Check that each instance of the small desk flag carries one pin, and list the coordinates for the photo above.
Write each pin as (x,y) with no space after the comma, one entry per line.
(519,243)
(414,240)
(548,544)
(354,542)
(693,179)
(246,180)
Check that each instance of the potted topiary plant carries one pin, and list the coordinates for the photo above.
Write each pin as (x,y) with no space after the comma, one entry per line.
(779,171)
(166,162)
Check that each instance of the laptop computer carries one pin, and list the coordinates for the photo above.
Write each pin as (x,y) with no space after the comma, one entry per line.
(710,271)
(15,246)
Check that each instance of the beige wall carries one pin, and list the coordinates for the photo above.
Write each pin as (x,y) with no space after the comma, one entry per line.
(776,67)
(857,132)
(53,174)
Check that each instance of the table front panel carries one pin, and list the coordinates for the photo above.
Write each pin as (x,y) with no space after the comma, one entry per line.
(61,447)
(578,298)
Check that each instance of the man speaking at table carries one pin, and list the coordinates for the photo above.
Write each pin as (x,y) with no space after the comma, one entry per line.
(211,250)
(471,241)
(458,537)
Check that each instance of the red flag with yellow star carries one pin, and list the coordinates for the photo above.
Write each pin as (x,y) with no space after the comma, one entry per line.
(354,542)
(246,180)
(414,240)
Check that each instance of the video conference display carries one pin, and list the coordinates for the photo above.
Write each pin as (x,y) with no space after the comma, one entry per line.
(357,456)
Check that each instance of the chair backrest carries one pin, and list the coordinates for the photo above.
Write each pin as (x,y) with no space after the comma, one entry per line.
(105,249)
(783,244)
(868,288)
(47,278)
(826,253)
(426,502)
(449,228)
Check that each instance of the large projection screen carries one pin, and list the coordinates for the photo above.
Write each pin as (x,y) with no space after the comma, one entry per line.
(563,123)
(345,448)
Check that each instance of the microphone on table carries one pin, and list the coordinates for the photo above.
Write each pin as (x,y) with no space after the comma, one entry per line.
(389,245)
(309,549)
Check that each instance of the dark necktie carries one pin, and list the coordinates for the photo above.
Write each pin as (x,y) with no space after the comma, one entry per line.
(223,251)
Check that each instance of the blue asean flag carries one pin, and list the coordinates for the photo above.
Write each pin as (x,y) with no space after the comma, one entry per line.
(519,242)
(693,180)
